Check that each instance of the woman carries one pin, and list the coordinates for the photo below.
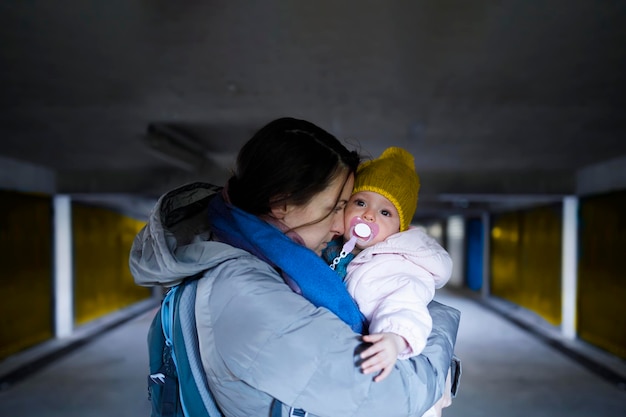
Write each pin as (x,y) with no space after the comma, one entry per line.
(274,321)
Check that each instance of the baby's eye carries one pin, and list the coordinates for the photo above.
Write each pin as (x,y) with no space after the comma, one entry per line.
(359,203)
(385,213)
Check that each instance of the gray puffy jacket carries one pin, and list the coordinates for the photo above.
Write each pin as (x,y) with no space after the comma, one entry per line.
(260,341)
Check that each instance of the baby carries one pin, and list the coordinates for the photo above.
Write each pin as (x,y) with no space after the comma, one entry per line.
(390,268)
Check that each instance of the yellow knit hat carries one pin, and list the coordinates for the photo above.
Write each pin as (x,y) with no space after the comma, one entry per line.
(393,176)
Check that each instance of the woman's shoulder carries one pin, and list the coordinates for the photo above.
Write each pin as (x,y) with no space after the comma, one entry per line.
(245,280)
(242,271)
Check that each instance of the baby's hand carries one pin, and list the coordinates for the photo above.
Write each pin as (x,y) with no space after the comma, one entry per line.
(383,353)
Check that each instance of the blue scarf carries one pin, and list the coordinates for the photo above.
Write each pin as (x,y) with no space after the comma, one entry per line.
(317,282)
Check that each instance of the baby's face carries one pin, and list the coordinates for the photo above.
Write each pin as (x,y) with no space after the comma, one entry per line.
(372,208)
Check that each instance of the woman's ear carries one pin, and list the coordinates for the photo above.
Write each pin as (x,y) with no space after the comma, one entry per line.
(279,211)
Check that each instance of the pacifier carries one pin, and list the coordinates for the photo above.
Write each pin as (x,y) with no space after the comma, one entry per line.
(359,230)
(363,230)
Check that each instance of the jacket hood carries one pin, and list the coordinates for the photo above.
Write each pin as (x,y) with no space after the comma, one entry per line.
(417,247)
(175,243)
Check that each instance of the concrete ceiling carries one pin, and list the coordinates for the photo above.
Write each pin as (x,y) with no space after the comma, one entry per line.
(494,98)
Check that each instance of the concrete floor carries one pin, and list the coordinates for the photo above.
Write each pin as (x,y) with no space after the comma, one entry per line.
(510,372)
(507,372)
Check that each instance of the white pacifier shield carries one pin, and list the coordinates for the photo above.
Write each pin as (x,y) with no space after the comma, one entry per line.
(362,230)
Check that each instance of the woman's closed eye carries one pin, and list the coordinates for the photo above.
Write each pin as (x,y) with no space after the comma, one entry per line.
(339,207)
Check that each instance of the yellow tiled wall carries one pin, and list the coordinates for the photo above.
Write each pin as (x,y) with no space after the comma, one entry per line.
(102,283)
(26,272)
(526,259)
(602,272)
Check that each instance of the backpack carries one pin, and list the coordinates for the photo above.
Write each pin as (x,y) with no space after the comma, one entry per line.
(177,385)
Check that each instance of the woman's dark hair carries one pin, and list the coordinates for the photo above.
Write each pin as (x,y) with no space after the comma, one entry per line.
(288,161)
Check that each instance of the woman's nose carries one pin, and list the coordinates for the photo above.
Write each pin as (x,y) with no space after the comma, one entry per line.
(338,227)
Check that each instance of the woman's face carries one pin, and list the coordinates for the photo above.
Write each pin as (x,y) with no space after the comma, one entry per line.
(317,235)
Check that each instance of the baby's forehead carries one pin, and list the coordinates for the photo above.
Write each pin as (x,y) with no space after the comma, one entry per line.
(371,195)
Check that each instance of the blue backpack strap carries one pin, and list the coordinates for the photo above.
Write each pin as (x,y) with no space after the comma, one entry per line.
(177,383)
(163,380)
(277,410)
(195,394)
(178,322)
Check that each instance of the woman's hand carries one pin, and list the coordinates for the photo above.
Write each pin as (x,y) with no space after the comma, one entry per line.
(383,353)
